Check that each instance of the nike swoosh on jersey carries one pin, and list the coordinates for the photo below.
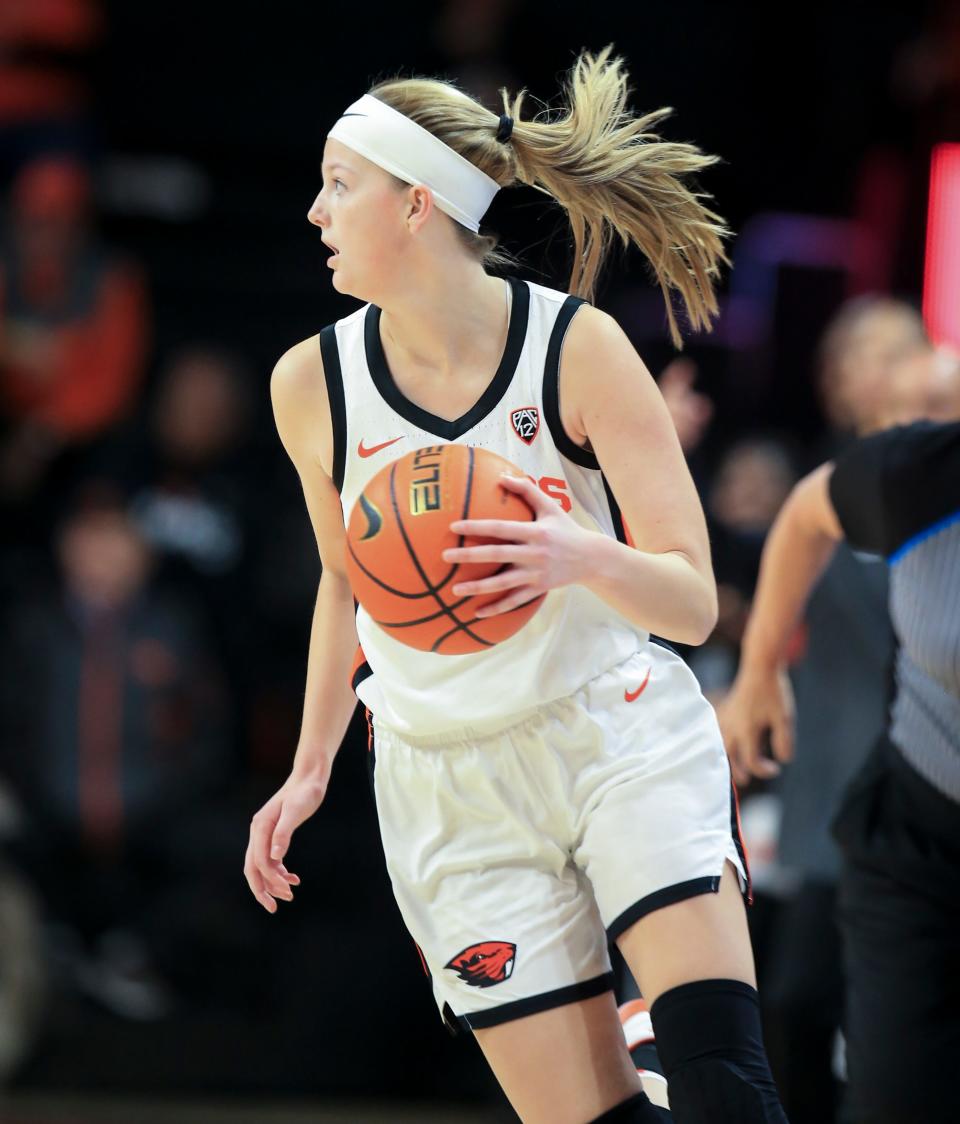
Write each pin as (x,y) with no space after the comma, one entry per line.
(368,452)
(632,696)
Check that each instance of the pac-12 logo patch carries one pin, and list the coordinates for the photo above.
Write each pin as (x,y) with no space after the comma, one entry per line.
(526,423)
(484,964)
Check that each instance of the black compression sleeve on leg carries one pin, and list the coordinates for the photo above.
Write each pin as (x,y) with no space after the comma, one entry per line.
(637,1110)
(709,1040)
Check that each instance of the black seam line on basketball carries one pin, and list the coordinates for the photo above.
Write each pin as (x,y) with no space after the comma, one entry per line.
(436,616)
(399,592)
(416,561)
(382,584)
(506,613)
(468,492)
(420,620)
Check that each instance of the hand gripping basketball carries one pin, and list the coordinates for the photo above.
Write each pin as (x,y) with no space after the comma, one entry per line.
(398,531)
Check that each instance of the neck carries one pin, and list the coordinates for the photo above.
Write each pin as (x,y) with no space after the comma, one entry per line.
(444,318)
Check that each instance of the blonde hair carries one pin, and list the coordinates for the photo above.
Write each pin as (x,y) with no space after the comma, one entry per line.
(612,176)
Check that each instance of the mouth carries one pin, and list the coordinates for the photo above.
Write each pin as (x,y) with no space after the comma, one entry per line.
(330,246)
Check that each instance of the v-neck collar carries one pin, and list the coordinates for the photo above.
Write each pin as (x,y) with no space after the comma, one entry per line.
(441,427)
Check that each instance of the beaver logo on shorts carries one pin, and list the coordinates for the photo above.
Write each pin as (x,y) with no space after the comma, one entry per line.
(484,964)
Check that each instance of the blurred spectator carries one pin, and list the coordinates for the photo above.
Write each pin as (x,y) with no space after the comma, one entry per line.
(113,733)
(690,409)
(199,502)
(44,96)
(856,353)
(73,326)
(471,37)
(753,479)
(868,378)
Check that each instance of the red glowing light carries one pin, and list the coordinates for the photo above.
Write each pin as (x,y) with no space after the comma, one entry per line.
(941,278)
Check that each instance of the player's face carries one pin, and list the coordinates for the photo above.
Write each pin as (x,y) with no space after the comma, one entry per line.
(359,212)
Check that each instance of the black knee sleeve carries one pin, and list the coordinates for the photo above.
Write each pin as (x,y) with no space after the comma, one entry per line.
(637,1110)
(710,1042)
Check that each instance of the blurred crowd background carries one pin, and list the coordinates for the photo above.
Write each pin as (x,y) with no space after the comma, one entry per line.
(158,571)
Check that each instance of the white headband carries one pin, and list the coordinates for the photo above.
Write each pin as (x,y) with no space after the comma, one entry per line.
(403,148)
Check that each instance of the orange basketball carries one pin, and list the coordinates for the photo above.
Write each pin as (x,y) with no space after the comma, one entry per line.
(398,529)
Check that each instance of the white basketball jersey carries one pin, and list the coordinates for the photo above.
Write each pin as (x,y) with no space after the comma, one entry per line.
(574,636)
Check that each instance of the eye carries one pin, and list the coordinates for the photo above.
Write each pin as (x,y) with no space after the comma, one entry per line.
(338,184)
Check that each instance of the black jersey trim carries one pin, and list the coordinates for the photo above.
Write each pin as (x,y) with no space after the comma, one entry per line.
(364,671)
(551,388)
(423,419)
(333,375)
(615,513)
(661,643)
(533,1005)
(739,844)
(669,895)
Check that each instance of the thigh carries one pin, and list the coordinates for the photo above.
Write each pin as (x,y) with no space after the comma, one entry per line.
(702,937)
(657,813)
(507,925)
(564,1066)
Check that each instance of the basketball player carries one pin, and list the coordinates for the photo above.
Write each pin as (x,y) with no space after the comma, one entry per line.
(894,493)
(569,783)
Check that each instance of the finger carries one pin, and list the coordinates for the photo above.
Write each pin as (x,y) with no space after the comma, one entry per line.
(496,583)
(487,553)
(781,740)
(293,879)
(764,768)
(520,530)
(529,490)
(505,604)
(257,888)
(261,831)
(753,756)
(737,771)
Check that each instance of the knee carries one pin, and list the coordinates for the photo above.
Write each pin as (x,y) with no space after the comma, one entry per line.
(709,1040)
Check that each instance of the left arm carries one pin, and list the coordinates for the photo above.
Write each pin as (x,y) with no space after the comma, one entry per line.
(664,583)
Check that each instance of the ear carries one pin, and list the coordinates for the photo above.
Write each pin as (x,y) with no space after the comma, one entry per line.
(419,207)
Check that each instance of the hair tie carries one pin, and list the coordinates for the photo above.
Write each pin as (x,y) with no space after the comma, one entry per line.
(506,129)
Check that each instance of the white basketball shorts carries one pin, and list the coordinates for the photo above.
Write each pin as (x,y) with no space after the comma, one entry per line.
(516,854)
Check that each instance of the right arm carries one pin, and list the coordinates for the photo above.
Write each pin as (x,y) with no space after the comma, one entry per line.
(798,548)
(302,414)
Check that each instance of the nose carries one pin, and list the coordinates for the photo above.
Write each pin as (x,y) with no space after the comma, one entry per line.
(317,213)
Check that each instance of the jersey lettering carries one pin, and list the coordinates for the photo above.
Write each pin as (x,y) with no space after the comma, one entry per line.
(553,487)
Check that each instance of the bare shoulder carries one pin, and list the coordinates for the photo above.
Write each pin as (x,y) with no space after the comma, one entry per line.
(301,405)
(302,411)
(600,369)
(595,340)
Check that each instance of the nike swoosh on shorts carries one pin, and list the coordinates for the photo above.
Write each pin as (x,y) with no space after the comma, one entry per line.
(632,696)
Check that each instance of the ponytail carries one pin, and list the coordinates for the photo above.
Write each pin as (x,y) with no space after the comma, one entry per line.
(612,175)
